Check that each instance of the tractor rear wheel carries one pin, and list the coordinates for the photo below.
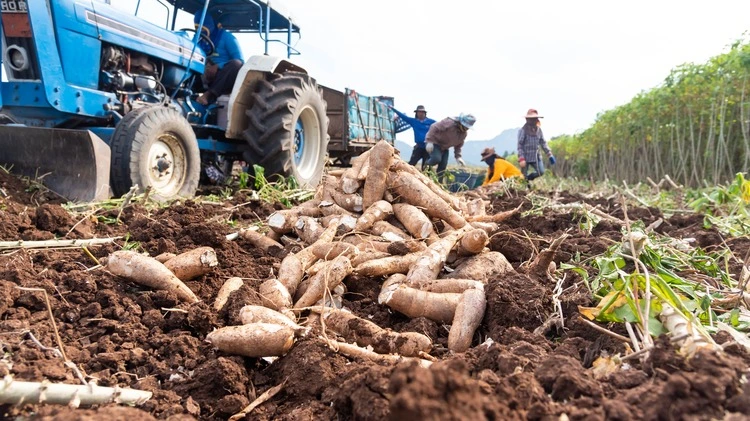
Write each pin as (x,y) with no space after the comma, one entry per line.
(155,147)
(288,130)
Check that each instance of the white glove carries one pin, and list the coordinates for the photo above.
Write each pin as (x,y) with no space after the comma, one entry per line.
(429,147)
(461,162)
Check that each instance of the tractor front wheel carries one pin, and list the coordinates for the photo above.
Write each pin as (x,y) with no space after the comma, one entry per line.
(155,147)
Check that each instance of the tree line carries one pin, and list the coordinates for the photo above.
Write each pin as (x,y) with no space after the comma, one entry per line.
(694,127)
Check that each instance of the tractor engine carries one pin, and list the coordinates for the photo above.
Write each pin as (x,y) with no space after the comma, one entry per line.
(133,75)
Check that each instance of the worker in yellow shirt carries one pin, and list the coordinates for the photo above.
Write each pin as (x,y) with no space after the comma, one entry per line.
(499,168)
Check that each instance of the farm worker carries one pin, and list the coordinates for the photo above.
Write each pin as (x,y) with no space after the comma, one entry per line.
(445,134)
(420,124)
(223,64)
(498,168)
(530,138)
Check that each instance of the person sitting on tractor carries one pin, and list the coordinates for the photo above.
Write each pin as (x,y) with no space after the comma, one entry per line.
(445,134)
(420,124)
(223,63)
(498,168)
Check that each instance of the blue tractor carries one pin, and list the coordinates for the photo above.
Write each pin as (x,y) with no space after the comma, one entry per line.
(97,100)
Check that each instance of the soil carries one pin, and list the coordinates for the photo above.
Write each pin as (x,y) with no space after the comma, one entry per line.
(119,333)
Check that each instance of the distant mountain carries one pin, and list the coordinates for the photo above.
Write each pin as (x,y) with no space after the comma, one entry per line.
(472,150)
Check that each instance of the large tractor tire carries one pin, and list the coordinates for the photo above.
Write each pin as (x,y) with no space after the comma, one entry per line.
(288,130)
(155,147)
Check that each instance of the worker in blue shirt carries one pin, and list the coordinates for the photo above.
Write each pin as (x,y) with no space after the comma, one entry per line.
(420,124)
(223,63)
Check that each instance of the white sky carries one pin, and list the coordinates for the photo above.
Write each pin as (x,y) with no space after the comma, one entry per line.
(495,59)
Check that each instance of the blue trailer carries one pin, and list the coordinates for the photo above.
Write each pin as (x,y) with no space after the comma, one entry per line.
(101,100)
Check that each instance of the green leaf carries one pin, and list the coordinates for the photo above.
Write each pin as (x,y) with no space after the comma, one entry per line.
(734,317)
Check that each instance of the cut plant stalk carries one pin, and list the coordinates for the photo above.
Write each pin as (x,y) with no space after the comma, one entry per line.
(19,392)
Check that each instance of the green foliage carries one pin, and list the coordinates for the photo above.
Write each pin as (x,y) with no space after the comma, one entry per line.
(285,190)
(693,127)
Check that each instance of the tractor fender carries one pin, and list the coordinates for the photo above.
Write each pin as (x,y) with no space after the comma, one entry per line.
(241,99)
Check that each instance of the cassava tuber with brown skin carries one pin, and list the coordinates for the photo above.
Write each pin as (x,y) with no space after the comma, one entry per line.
(457,286)
(473,242)
(326,279)
(146,270)
(308,229)
(387,265)
(382,227)
(430,262)
(163,257)
(378,211)
(230,285)
(498,217)
(376,182)
(193,263)
(291,273)
(253,340)
(406,247)
(366,333)
(368,255)
(401,165)
(413,302)
(414,220)
(274,295)
(329,251)
(414,192)
(258,314)
(469,314)
(482,267)
(262,242)
(350,182)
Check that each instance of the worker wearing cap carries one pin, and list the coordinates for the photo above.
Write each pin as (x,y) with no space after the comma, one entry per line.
(420,124)
(445,134)
(499,169)
(224,62)
(530,139)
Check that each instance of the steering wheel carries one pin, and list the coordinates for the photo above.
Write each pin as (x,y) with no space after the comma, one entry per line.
(203,38)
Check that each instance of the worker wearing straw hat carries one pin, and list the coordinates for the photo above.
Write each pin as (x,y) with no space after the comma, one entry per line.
(420,124)
(530,139)
(498,168)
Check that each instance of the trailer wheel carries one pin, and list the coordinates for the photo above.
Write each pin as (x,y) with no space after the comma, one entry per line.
(155,147)
(288,131)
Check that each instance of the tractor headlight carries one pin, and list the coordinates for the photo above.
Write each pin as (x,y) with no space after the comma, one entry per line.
(17,58)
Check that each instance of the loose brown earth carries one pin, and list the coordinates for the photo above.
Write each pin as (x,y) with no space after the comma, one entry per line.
(122,334)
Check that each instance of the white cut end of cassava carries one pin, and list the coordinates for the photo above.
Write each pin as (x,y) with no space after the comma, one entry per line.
(281,222)
(193,263)
(392,237)
(146,270)
(253,340)
(230,285)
